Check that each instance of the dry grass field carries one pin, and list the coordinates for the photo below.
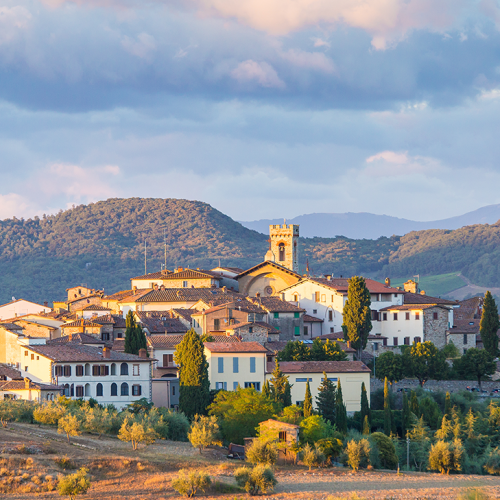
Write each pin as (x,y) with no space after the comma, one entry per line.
(29,469)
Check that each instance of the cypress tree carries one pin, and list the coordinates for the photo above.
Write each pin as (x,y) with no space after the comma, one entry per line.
(130,343)
(366,426)
(281,387)
(387,409)
(365,407)
(307,409)
(489,325)
(340,411)
(406,417)
(194,386)
(357,314)
(266,390)
(447,405)
(325,400)
(414,406)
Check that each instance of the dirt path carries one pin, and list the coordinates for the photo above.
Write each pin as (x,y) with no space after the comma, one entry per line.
(470,289)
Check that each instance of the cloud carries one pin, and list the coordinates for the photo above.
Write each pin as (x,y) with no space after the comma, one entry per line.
(14,204)
(12,21)
(141,47)
(392,163)
(311,60)
(260,72)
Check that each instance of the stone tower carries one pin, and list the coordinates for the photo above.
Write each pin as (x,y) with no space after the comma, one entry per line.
(284,245)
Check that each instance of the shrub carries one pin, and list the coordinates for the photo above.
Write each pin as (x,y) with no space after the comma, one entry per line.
(387,451)
(445,457)
(178,424)
(262,452)
(188,483)
(331,447)
(358,453)
(49,413)
(492,465)
(312,457)
(314,428)
(258,479)
(70,425)
(136,433)
(74,484)
(65,463)
(204,432)
(474,494)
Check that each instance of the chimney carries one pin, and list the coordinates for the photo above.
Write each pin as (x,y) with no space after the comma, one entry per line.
(155,286)
(179,269)
(106,352)
(45,304)
(27,383)
(422,292)
(143,353)
(328,277)
(70,336)
(388,281)
(134,288)
(257,295)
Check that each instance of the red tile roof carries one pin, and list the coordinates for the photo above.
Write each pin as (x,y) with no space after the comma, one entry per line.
(115,319)
(76,338)
(418,298)
(9,371)
(184,295)
(341,285)
(261,324)
(413,307)
(184,274)
(71,352)
(235,347)
(153,276)
(267,263)
(311,319)
(81,322)
(95,307)
(275,304)
(319,367)
(16,385)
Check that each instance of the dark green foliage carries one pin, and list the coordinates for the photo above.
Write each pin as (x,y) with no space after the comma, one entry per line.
(130,337)
(429,409)
(281,388)
(357,314)
(325,400)
(447,405)
(340,410)
(307,408)
(365,407)
(194,390)
(414,406)
(315,428)
(424,361)
(319,351)
(406,416)
(389,365)
(387,409)
(477,362)
(489,325)
(387,451)
(266,389)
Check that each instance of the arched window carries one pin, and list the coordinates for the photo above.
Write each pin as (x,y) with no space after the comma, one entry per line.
(124,389)
(296,298)
(87,370)
(114,389)
(87,390)
(66,390)
(98,389)
(124,369)
(113,369)
(281,248)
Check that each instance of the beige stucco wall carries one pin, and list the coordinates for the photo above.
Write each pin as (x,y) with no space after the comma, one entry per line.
(402,327)
(21,307)
(9,347)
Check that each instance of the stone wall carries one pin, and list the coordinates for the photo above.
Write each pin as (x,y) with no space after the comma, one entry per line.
(286,324)
(259,334)
(435,329)
(436,385)
(38,330)
(458,340)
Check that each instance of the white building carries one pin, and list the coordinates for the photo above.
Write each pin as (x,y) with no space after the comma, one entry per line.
(21,307)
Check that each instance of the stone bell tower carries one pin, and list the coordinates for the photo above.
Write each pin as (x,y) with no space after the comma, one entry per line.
(284,245)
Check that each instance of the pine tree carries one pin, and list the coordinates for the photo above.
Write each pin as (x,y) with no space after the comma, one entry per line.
(130,334)
(447,405)
(365,407)
(406,417)
(357,314)
(387,409)
(307,408)
(194,386)
(281,387)
(340,411)
(325,400)
(366,426)
(414,406)
(489,325)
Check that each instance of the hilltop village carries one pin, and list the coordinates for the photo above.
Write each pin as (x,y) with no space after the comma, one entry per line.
(247,317)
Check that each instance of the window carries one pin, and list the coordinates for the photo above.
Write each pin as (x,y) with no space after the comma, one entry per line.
(252,364)
(79,370)
(235,365)
(407,341)
(25,368)
(221,385)
(25,353)
(67,371)
(331,379)
(282,436)
(323,298)
(124,369)
(332,329)
(306,330)
(296,330)
(255,385)
(220,365)
(58,371)
(302,379)
(168,360)
(295,298)
(185,284)
(135,370)
(316,296)
(95,370)
(417,340)
(281,249)
(330,315)
(217,324)
(250,329)
(276,315)
(87,390)
(79,391)
(384,341)
(113,369)
(407,316)
(417,315)
(394,341)
(33,356)
(105,336)
(124,389)
(395,316)
(136,390)
(296,315)
(315,311)
(173,390)
(384,316)
(434,315)
(465,338)
(114,389)
(235,386)
(98,390)
(465,350)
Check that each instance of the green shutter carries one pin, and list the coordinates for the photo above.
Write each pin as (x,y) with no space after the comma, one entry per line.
(296,330)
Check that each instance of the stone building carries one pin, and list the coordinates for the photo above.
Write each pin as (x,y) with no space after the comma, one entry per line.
(82,326)
(283,246)
(254,332)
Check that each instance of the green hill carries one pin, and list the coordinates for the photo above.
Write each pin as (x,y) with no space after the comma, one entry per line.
(102,245)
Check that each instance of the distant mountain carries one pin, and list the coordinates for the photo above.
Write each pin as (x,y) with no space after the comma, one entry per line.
(370,226)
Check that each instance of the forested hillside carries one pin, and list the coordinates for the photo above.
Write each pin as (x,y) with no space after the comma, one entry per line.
(102,245)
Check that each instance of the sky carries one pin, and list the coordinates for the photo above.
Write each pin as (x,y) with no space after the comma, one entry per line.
(262,108)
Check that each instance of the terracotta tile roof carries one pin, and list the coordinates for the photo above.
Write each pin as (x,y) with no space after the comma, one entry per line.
(261,324)
(267,263)
(236,270)
(184,313)
(81,322)
(11,326)
(153,276)
(281,424)
(135,295)
(118,295)
(167,325)
(417,298)
(465,326)
(21,320)
(235,347)
(115,319)
(9,371)
(340,285)
(16,385)
(184,295)
(163,341)
(76,338)
(311,319)
(71,352)
(95,307)
(275,304)
(243,305)
(319,367)
(468,309)
(413,307)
